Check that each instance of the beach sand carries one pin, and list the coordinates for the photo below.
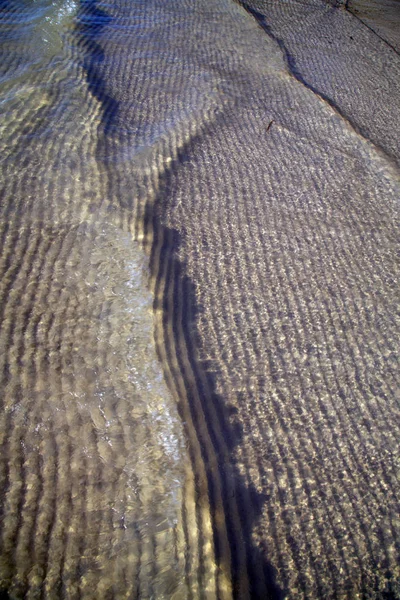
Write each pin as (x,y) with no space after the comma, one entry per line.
(245,157)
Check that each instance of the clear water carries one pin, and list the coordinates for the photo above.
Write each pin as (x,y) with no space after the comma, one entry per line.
(93,456)
(198,311)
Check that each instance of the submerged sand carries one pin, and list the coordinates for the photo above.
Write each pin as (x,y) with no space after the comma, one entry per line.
(382,16)
(246,175)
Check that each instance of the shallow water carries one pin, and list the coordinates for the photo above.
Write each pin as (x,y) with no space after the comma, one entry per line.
(383,16)
(93,458)
(199,324)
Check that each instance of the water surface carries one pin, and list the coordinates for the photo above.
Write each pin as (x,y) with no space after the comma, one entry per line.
(199,317)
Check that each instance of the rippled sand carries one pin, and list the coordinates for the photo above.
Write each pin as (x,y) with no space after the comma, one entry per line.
(199,317)
(382,16)
(95,475)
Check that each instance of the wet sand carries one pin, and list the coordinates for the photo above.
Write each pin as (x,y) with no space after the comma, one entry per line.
(382,16)
(251,172)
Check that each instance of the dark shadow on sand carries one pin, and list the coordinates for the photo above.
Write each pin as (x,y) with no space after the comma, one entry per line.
(91,23)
